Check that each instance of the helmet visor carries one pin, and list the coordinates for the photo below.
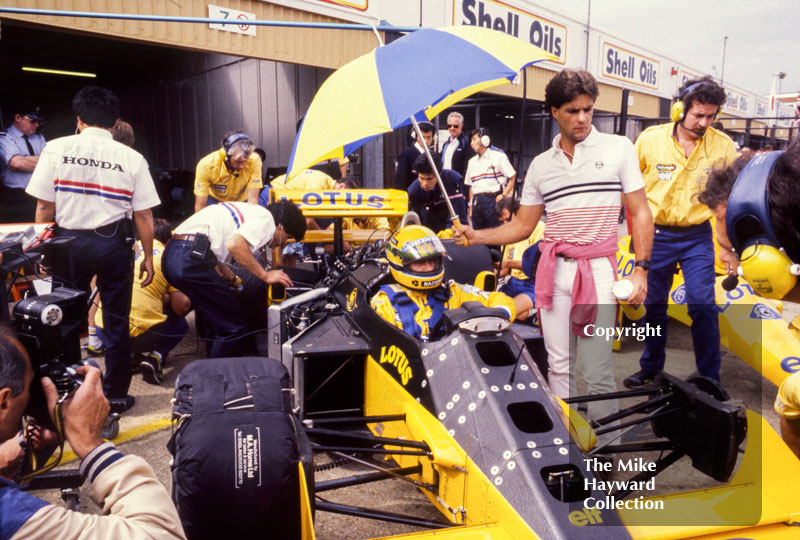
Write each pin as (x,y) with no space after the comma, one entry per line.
(419,249)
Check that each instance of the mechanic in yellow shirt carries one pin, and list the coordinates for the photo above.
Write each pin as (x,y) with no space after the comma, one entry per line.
(230,174)
(415,304)
(787,405)
(158,311)
(518,286)
(675,160)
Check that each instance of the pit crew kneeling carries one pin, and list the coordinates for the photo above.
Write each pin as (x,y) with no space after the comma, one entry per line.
(135,504)
(417,301)
(195,262)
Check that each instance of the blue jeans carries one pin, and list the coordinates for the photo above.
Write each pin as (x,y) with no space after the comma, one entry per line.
(693,248)
(211,296)
(106,254)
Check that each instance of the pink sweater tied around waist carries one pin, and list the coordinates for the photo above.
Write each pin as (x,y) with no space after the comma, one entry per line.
(584,295)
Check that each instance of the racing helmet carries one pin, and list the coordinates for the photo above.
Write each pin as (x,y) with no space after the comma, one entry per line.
(415,243)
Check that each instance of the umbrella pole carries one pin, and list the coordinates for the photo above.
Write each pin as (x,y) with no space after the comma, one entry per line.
(453,217)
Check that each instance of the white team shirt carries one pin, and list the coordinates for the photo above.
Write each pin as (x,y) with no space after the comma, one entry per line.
(92,179)
(488,173)
(582,198)
(221,221)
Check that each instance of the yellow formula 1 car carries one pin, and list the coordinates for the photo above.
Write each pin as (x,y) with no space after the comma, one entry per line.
(471,421)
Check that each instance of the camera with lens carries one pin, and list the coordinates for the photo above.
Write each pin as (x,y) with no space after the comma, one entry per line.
(49,327)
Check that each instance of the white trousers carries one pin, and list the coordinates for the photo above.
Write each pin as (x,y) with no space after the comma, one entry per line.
(593,353)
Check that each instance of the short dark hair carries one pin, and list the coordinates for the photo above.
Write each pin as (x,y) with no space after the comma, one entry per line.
(287,213)
(567,85)
(707,92)
(784,200)
(348,183)
(13,364)
(718,185)
(421,164)
(162,230)
(96,106)
(426,127)
(506,203)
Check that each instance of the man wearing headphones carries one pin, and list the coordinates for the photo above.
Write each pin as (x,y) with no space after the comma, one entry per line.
(756,201)
(232,173)
(675,160)
(490,177)
(404,174)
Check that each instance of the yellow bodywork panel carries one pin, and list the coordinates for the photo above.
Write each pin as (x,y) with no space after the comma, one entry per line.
(334,203)
(582,433)
(466,495)
(758,502)
(306,519)
(493,531)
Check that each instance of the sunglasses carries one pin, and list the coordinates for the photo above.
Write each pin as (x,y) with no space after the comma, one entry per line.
(31,120)
(450,126)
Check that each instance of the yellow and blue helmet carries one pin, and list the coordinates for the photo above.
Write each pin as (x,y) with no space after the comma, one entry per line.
(415,243)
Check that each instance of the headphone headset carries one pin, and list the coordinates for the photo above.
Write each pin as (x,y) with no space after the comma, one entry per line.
(765,266)
(229,140)
(678,109)
(428,127)
(486,141)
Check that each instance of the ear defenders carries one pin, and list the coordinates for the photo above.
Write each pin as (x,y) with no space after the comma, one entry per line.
(486,141)
(765,266)
(229,140)
(678,109)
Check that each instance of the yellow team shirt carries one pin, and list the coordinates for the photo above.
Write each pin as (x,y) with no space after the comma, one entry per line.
(672,180)
(213,179)
(147,304)
(514,252)
(787,403)
(459,294)
(309,179)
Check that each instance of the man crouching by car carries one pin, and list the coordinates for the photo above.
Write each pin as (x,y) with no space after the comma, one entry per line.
(135,504)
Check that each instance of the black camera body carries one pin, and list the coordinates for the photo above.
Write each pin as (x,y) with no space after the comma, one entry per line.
(49,327)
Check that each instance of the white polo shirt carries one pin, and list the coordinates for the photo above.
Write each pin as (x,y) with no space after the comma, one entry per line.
(582,198)
(221,221)
(488,173)
(92,179)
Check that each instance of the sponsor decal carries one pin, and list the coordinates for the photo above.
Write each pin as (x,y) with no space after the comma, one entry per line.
(598,164)
(352,300)
(790,364)
(543,33)
(628,66)
(222,188)
(679,294)
(661,167)
(762,311)
(587,516)
(89,162)
(394,356)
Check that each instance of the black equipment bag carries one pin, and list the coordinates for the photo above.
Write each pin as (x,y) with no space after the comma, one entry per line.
(236,450)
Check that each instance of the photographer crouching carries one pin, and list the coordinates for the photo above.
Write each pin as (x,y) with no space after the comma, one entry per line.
(135,504)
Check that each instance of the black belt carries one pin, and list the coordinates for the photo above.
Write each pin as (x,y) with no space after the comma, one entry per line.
(105,230)
(495,194)
(680,228)
(184,237)
(562,256)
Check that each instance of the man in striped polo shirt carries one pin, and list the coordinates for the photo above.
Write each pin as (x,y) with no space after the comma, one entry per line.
(196,262)
(579,181)
(95,188)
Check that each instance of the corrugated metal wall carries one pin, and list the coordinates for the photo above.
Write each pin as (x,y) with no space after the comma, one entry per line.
(185,112)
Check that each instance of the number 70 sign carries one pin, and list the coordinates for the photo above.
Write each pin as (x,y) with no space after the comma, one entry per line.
(238,20)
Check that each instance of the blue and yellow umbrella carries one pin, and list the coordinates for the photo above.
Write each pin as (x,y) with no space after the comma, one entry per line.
(418,75)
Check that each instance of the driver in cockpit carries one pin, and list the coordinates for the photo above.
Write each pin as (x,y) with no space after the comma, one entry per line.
(417,301)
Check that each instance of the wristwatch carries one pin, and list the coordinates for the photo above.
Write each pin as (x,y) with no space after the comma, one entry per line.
(643,264)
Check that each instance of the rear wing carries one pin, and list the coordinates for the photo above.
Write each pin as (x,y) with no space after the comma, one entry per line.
(342,203)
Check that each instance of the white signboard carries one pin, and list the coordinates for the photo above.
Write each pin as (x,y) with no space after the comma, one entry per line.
(630,67)
(238,20)
(544,33)
(762,108)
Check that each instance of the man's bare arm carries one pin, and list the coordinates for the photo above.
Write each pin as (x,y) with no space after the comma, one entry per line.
(20,163)
(144,224)
(45,211)
(642,240)
(518,229)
